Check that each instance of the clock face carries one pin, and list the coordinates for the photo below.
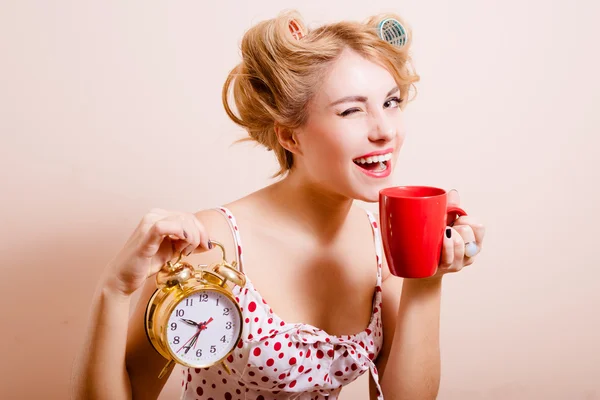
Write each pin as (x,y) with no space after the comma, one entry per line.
(203,328)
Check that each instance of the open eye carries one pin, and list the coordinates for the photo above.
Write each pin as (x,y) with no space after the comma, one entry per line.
(396,99)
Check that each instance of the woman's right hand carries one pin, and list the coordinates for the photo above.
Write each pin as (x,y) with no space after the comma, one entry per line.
(157,239)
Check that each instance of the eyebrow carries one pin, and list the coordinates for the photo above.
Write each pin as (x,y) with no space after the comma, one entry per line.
(362,99)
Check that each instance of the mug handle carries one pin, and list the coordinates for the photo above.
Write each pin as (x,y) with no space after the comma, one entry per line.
(453,213)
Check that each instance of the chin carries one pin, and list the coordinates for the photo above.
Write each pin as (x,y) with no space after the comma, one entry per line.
(370,194)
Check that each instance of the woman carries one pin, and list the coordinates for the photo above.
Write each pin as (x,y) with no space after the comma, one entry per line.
(328,103)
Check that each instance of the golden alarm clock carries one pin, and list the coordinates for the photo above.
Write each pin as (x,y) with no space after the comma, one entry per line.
(193,318)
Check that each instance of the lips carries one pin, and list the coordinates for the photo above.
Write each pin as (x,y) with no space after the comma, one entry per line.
(375,164)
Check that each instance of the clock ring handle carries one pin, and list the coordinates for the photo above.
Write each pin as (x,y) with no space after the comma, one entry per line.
(230,274)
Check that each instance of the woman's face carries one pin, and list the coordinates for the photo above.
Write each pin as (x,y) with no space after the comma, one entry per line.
(355,129)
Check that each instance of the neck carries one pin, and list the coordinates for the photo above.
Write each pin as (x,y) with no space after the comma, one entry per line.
(309,205)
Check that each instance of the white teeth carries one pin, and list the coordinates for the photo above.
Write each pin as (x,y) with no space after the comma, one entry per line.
(374,159)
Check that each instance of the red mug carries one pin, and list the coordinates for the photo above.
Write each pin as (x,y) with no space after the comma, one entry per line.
(413,221)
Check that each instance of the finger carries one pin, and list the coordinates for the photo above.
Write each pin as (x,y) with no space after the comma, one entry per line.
(193,235)
(453,198)
(447,257)
(477,227)
(459,251)
(204,239)
(471,249)
(169,226)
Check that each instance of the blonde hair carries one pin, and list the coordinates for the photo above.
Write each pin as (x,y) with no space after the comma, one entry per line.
(279,74)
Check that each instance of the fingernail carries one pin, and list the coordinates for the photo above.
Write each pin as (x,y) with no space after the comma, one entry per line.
(184,234)
(210,245)
(448,233)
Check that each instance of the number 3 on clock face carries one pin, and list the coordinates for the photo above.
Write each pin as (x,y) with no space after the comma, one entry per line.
(203,328)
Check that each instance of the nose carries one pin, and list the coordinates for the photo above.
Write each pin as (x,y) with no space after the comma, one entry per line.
(383,128)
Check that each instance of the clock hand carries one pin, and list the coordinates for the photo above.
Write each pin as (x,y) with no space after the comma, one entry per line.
(195,335)
(189,321)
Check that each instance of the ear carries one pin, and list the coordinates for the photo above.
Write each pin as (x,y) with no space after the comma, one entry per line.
(287,139)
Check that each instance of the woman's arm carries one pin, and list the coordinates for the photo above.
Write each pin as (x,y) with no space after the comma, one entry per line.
(99,371)
(116,361)
(409,363)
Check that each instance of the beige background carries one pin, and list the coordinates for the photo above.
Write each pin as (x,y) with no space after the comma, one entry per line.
(110,108)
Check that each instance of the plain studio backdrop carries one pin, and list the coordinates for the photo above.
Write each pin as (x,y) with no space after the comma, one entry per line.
(108,109)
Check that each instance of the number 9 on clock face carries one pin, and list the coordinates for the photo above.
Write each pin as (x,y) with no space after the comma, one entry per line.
(203,328)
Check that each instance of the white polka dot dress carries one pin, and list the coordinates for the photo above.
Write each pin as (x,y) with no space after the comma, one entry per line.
(279,360)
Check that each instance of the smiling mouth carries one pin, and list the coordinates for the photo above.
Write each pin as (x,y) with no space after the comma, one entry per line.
(374,163)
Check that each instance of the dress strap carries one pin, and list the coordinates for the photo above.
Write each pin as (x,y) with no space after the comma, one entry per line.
(378,245)
(236,236)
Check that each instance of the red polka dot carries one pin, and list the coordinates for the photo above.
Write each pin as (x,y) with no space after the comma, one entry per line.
(301,368)
(270,320)
(250,336)
(320,354)
(270,362)
(354,367)
(230,358)
(292,384)
(339,373)
(281,386)
(277,346)
(260,397)
(282,323)
(247,320)
(256,319)
(228,396)
(259,331)
(264,379)
(292,361)
(281,376)
(308,353)
(200,391)
(375,224)
(252,306)
(257,351)
(310,378)
(330,353)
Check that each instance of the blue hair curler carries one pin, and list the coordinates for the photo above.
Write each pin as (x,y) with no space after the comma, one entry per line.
(392,31)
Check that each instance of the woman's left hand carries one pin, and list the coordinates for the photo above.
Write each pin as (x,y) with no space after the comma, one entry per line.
(462,241)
